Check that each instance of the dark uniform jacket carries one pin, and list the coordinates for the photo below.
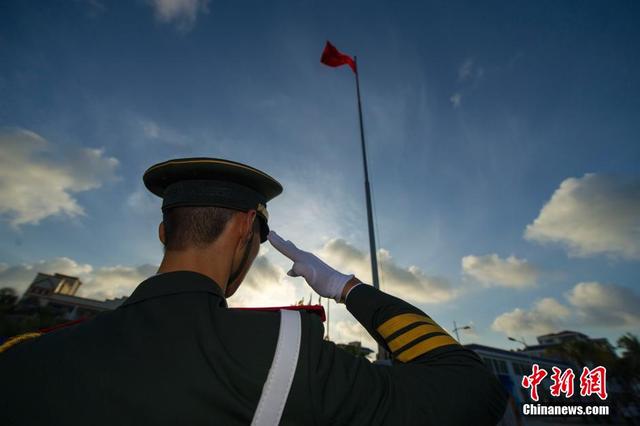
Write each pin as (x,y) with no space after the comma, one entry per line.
(174,354)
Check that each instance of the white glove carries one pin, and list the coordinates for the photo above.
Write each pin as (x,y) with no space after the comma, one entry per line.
(325,280)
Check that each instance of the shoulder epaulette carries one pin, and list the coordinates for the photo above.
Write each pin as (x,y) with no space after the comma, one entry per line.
(313,309)
(12,341)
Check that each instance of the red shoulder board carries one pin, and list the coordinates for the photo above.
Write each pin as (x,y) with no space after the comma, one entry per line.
(314,309)
(63,325)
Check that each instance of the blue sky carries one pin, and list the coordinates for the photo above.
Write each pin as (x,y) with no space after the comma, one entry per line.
(504,133)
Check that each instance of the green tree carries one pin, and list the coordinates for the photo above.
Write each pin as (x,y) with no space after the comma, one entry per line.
(631,355)
(355,350)
(583,353)
(8,296)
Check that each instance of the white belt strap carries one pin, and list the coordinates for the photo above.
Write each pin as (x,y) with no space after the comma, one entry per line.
(276,389)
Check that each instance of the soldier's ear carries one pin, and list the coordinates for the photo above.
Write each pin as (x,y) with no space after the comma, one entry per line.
(249,221)
(161,234)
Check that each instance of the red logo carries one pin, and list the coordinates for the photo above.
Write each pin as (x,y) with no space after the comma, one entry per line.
(562,382)
(594,381)
(532,381)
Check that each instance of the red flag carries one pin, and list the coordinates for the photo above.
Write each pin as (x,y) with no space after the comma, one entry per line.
(334,58)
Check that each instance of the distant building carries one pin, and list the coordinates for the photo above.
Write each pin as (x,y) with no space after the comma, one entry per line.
(562,337)
(538,350)
(547,342)
(57,293)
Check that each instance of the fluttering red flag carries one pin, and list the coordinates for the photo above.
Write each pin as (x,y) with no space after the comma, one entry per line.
(334,58)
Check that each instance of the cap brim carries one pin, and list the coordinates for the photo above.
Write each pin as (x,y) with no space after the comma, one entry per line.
(158,177)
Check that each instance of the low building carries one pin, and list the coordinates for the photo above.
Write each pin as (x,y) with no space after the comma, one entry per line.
(562,337)
(57,292)
(541,351)
(549,343)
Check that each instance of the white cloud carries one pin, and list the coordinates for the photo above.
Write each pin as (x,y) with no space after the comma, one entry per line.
(410,282)
(492,270)
(266,284)
(100,283)
(156,132)
(456,99)
(35,185)
(466,70)
(589,303)
(545,316)
(469,75)
(182,13)
(144,202)
(150,129)
(351,331)
(114,281)
(20,276)
(605,304)
(592,215)
(469,70)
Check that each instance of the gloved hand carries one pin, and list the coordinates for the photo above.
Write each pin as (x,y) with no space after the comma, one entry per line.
(325,280)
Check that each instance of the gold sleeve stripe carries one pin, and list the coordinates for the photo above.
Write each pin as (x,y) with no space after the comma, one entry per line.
(400,321)
(424,347)
(413,334)
(17,339)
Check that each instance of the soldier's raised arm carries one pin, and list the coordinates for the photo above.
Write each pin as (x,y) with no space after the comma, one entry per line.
(433,379)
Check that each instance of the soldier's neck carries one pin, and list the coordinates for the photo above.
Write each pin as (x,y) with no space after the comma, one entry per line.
(213,265)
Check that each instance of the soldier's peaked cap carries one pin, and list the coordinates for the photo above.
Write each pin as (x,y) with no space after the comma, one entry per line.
(201,182)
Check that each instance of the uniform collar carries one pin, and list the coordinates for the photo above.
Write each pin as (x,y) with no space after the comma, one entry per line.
(170,283)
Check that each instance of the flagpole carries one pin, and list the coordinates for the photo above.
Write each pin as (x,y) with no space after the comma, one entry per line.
(372,239)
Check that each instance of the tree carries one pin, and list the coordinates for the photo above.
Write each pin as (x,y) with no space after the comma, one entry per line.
(583,353)
(631,355)
(631,344)
(355,349)
(8,296)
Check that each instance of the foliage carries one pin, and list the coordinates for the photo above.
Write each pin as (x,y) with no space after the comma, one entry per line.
(355,350)
(12,323)
(630,361)
(583,353)
(8,297)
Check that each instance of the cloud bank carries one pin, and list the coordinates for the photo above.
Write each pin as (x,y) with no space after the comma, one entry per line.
(409,283)
(545,316)
(97,283)
(605,304)
(491,270)
(182,13)
(589,304)
(592,215)
(34,184)
(265,285)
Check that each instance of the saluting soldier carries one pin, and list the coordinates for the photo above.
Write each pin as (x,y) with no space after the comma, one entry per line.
(174,353)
